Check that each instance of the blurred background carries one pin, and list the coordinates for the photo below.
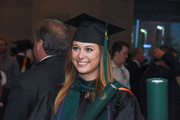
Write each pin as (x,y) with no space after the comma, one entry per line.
(148,23)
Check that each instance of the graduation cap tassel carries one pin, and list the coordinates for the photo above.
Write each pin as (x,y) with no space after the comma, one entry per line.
(105,54)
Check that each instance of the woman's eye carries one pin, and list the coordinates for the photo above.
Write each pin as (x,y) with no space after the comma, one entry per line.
(89,49)
(75,48)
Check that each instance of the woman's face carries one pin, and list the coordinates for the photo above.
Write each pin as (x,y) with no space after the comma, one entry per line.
(86,57)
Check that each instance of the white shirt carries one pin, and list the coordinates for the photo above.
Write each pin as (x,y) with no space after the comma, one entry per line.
(3,78)
(121,74)
(46,57)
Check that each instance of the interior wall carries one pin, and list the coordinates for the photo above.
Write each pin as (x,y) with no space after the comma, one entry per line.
(18,19)
(15,20)
(119,12)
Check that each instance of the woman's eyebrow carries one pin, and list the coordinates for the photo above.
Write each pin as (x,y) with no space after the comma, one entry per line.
(74,45)
(89,46)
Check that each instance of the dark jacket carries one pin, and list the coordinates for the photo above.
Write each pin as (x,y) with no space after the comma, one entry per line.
(135,76)
(25,94)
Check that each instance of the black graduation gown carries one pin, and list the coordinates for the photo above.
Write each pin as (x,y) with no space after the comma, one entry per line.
(20,59)
(123,106)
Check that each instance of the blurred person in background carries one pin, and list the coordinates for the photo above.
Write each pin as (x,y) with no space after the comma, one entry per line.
(134,67)
(24,61)
(119,57)
(10,67)
(50,45)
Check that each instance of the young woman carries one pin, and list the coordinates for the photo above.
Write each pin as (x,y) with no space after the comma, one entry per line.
(85,80)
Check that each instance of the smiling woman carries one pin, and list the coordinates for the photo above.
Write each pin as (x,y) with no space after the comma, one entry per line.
(88,74)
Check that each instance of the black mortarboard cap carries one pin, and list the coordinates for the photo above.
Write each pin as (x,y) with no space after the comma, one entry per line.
(92,29)
(23,44)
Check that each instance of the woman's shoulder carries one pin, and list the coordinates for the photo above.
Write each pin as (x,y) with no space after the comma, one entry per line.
(124,95)
(125,105)
(123,92)
(56,90)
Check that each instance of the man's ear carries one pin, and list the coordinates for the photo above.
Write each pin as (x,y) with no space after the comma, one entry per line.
(116,53)
(40,45)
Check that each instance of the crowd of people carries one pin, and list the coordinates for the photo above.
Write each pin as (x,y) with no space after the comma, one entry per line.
(68,78)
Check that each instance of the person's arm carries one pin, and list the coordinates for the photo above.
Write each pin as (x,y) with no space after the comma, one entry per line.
(0,89)
(170,60)
(158,53)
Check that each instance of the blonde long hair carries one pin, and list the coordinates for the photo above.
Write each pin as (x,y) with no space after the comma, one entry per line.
(71,73)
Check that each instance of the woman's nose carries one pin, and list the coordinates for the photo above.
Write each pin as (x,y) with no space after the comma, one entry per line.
(81,54)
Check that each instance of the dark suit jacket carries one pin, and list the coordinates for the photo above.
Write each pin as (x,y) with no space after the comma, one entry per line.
(26,92)
(135,76)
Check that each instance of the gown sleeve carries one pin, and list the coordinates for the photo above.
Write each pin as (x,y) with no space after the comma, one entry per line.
(125,107)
